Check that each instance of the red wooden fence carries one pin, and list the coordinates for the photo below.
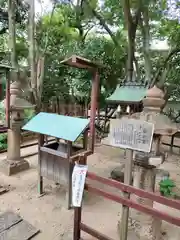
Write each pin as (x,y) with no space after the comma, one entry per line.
(78,225)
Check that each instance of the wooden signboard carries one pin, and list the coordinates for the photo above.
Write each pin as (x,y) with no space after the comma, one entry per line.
(131,134)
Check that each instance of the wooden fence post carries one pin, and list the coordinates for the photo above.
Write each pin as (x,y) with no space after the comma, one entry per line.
(125,209)
(77,222)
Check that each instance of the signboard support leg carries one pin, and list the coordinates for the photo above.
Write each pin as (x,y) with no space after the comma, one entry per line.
(128,181)
(69,191)
(40,178)
(78,210)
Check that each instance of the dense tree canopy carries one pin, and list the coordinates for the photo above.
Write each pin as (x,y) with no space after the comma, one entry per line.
(117,34)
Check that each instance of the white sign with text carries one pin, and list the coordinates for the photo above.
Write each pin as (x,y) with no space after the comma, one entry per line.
(78,182)
(131,134)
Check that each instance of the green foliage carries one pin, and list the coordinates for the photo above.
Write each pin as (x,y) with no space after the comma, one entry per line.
(2,113)
(28,114)
(73,30)
(77,82)
(3,141)
(170,29)
(65,41)
(166,187)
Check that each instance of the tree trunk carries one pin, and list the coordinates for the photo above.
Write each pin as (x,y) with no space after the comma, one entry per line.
(131,24)
(32,50)
(131,50)
(12,36)
(156,79)
(145,29)
(103,24)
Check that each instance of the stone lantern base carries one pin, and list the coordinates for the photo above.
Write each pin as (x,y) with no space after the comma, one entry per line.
(144,178)
(13,163)
(10,167)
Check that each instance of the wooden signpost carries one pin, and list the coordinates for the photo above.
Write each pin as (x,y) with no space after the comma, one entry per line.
(130,134)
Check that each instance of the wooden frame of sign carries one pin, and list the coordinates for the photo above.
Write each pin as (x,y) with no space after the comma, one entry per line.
(130,134)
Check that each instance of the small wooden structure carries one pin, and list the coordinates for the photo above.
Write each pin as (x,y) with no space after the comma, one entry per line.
(83,63)
(56,160)
(126,99)
(128,94)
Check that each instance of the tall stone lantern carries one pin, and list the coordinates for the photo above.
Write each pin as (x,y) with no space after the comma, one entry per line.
(14,163)
(145,164)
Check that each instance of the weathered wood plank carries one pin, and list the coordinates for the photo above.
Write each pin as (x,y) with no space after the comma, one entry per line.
(21,231)
(8,219)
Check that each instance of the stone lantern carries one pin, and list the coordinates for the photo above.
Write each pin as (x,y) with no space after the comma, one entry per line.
(14,163)
(145,163)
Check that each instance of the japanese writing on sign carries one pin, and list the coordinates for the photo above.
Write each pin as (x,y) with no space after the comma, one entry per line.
(78,181)
(131,134)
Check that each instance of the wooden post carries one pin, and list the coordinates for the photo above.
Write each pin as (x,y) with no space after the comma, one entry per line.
(94,95)
(78,210)
(125,209)
(77,222)
(69,193)
(40,178)
(77,213)
(85,141)
(105,120)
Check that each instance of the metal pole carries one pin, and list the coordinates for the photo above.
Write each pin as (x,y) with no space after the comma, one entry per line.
(127,181)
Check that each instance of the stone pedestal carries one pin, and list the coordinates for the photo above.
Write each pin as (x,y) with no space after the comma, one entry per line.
(13,163)
(144,178)
(14,137)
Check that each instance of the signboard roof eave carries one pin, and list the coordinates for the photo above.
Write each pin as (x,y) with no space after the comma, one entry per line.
(122,101)
(80,62)
(127,94)
(59,126)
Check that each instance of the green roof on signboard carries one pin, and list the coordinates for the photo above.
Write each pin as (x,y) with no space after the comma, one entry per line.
(128,94)
(59,126)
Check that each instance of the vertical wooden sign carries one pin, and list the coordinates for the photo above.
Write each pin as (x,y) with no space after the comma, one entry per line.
(130,134)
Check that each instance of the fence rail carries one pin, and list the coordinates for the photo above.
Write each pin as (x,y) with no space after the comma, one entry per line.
(79,225)
(139,192)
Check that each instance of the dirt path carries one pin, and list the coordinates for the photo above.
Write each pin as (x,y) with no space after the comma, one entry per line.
(49,212)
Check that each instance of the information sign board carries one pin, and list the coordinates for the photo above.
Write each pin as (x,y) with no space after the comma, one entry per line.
(131,134)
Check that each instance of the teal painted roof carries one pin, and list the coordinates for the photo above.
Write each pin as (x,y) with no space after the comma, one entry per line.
(128,94)
(60,126)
